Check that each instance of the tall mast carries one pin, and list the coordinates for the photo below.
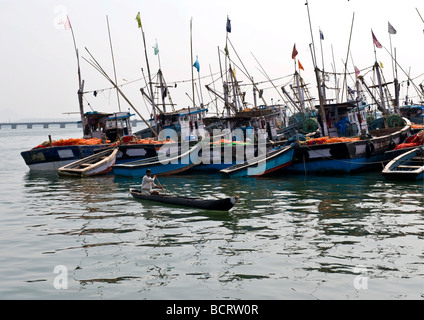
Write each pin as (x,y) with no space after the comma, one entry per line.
(113,61)
(138,18)
(321,98)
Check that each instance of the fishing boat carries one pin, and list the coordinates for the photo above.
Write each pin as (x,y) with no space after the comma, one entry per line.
(101,131)
(407,166)
(96,164)
(350,146)
(208,204)
(270,162)
(171,160)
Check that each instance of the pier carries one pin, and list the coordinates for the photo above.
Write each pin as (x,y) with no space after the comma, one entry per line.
(47,124)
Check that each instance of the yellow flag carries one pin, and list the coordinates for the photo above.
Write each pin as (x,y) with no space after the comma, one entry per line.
(138,19)
(381,65)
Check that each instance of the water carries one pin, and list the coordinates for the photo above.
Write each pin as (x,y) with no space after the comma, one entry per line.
(345,237)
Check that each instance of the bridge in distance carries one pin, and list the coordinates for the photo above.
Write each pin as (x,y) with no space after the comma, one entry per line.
(47,124)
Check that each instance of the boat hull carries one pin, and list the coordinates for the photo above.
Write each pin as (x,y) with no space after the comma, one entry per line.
(97,164)
(199,203)
(408,166)
(160,167)
(347,157)
(52,158)
(273,161)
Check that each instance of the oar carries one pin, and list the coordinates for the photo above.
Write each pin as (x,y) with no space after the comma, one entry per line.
(160,185)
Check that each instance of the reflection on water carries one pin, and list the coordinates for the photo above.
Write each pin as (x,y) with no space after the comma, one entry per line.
(288,237)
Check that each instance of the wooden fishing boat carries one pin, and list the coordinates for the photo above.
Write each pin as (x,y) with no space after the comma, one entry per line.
(178,161)
(208,204)
(349,152)
(96,164)
(270,162)
(407,166)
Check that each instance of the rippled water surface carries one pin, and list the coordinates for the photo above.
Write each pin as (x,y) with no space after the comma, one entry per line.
(296,237)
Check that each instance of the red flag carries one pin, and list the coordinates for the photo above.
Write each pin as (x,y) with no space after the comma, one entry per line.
(294,53)
(374,39)
(300,65)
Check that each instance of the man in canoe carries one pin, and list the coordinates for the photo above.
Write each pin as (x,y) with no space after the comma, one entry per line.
(148,183)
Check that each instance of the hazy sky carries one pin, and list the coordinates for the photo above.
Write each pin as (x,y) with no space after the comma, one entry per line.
(38,63)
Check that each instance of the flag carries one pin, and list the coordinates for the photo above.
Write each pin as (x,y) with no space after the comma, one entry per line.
(197,65)
(294,53)
(391,29)
(300,65)
(228,24)
(138,19)
(357,72)
(381,65)
(67,23)
(156,48)
(321,35)
(376,43)
(226,51)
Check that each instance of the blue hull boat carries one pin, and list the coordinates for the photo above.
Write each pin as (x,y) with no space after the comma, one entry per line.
(160,166)
(272,161)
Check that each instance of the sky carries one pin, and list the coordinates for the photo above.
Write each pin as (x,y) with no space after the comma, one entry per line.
(39,66)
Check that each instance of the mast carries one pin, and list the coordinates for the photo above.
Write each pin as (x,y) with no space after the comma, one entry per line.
(113,62)
(138,18)
(192,72)
(321,98)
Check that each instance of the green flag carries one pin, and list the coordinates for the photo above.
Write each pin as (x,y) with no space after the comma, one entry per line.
(138,19)
(226,51)
(156,48)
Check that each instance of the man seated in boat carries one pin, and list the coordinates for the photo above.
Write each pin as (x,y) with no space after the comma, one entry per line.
(148,184)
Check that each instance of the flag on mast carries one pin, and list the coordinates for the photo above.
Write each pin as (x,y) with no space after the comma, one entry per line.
(138,19)
(156,48)
(321,35)
(300,65)
(376,42)
(67,23)
(391,29)
(228,27)
(357,72)
(196,64)
(294,53)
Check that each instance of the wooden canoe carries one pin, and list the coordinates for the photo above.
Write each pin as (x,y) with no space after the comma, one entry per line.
(208,204)
(96,164)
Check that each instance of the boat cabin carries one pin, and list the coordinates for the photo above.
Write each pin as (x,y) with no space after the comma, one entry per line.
(415,113)
(187,123)
(263,120)
(345,119)
(110,126)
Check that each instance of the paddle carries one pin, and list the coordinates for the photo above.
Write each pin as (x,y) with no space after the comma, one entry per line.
(160,185)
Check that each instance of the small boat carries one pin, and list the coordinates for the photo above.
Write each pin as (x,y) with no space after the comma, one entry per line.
(272,161)
(161,165)
(208,204)
(96,164)
(407,166)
